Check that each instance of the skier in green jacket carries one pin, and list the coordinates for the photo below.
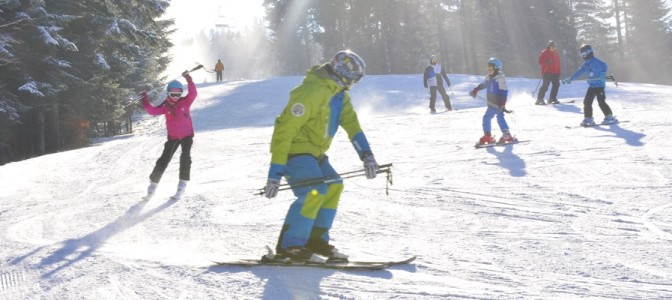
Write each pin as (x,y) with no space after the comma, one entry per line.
(301,137)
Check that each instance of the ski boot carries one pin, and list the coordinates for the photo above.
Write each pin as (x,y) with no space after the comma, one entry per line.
(609,119)
(432,111)
(540,102)
(181,187)
(295,254)
(553,101)
(485,140)
(506,138)
(588,121)
(321,247)
(151,189)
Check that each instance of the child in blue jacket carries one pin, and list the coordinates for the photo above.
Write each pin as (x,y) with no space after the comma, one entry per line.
(497,93)
(597,76)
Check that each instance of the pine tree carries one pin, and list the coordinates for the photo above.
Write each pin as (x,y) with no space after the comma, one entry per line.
(39,73)
(649,40)
(71,62)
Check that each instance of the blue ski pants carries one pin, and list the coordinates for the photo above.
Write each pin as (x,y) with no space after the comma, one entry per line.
(487,119)
(315,206)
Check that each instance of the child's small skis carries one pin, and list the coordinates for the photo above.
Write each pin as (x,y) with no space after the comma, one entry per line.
(478,145)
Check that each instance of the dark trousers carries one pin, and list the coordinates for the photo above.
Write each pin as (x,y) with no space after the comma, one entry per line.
(219,75)
(432,97)
(601,101)
(548,79)
(168,150)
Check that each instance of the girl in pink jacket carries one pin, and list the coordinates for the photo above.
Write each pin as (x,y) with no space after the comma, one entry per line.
(180,132)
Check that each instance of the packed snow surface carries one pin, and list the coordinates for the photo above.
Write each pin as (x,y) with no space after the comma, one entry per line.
(573,213)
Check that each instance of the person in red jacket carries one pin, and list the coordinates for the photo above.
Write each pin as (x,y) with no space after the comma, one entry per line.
(549,60)
(176,109)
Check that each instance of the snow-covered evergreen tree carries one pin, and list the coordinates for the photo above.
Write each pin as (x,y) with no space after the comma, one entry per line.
(65,63)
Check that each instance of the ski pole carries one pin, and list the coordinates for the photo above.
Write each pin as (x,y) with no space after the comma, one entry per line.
(206,69)
(510,112)
(328,179)
(536,88)
(611,77)
(386,168)
(161,86)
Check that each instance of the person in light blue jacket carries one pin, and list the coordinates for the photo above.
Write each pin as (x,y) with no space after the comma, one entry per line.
(597,76)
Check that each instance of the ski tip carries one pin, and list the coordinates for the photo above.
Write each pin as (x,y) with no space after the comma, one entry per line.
(409,260)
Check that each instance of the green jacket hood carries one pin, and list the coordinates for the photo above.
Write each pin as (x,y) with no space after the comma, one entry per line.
(319,74)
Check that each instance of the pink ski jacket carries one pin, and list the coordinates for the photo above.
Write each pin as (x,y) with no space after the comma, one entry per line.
(178,116)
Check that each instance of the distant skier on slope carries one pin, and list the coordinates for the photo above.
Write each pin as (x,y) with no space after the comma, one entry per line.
(497,93)
(597,77)
(219,68)
(433,78)
(303,133)
(180,132)
(549,60)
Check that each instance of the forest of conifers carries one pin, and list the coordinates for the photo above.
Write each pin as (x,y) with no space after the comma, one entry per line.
(69,70)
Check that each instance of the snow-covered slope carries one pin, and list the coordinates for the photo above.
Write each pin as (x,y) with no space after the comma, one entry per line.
(582,212)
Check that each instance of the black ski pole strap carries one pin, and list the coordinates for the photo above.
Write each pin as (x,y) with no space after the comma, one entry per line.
(612,78)
(385,168)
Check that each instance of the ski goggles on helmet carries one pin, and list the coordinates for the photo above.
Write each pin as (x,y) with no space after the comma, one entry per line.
(585,53)
(175,94)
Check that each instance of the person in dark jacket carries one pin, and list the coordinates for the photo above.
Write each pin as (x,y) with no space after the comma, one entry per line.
(549,60)
(433,78)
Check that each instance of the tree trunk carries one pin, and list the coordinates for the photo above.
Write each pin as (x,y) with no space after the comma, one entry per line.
(39,132)
(53,129)
(617,14)
(439,29)
(467,52)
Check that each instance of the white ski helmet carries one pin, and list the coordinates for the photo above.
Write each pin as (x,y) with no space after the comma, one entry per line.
(348,68)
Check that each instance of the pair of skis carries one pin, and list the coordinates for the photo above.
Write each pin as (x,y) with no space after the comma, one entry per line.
(551,104)
(479,146)
(349,265)
(490,145)
(596,124)
(175,197)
